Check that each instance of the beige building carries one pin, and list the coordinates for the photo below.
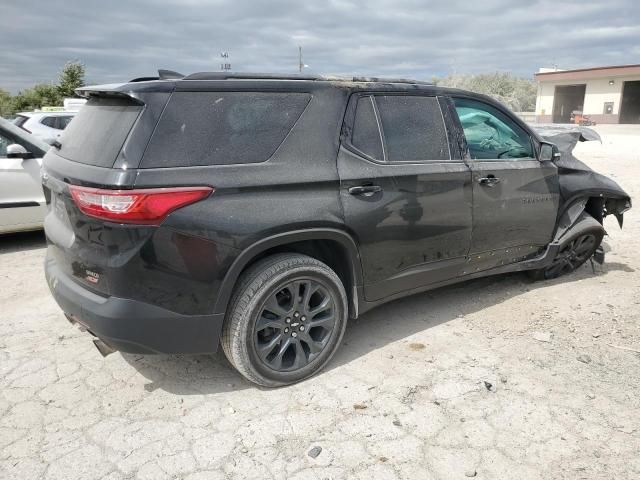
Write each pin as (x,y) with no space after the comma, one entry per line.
(605,94)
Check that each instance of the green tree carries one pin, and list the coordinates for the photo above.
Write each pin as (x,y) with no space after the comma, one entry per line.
(41,95)
(37,97)
(517,93)
(6,104)
(71,77)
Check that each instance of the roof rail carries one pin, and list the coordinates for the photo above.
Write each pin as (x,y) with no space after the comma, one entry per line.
(171,75)
(390,80)
(249,76)
(277,76)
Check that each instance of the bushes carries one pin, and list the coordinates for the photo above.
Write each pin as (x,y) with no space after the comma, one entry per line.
(519,94)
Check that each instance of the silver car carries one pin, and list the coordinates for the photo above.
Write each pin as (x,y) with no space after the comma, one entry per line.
(22,201)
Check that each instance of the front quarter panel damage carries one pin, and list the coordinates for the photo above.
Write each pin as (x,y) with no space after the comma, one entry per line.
(579,184)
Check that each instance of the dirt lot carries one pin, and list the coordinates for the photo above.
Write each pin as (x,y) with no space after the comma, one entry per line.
(406,397)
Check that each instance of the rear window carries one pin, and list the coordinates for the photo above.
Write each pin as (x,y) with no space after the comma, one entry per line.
(98,131)
(19,120)
(222,128)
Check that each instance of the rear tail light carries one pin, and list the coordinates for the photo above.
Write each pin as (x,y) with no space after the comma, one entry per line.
(148,206)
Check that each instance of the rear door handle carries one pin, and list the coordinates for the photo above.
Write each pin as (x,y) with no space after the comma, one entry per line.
(365,190)
(489,181)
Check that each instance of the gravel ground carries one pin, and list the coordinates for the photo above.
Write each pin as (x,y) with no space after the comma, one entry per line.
(493,378)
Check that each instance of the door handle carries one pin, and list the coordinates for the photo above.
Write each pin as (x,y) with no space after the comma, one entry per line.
(365,190)
(489,181)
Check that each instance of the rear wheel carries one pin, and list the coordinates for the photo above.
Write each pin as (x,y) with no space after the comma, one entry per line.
(285,320)
(572,254)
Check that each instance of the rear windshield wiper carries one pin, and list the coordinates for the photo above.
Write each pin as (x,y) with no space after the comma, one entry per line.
(56,144)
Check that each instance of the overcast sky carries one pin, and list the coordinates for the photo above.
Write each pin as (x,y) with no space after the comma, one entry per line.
(118,40)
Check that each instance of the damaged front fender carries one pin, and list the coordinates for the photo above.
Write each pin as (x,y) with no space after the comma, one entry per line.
(579,184)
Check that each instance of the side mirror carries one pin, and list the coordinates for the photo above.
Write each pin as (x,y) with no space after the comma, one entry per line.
(16,150)
(549,152)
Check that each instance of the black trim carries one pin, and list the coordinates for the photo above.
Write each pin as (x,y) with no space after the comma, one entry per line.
(254,250)
(19,204)
(132,326)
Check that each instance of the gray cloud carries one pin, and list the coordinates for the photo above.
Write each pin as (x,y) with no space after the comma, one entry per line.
(119,40)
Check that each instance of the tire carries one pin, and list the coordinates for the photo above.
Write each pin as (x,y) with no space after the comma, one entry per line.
(285,320)
(573,252)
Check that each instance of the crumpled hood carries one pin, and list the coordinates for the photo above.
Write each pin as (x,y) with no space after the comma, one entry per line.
(566,137)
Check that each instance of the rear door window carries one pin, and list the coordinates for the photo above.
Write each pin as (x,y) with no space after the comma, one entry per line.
(413,128)
(50,122)
(100,130)
(366,136)
(222,128)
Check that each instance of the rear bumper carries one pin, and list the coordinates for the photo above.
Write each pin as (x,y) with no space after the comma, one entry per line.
(132,326)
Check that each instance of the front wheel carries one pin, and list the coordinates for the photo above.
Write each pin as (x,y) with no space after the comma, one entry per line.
(572,254)
(285,321)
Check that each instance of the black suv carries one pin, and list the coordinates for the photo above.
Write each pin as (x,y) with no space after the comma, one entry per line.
(261,212)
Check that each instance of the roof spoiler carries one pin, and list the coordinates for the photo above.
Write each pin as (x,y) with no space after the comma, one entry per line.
(162,75)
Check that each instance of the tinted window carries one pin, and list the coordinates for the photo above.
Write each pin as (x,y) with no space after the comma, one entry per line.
(490,133)
(366,135)
(99,131)
(4,143)
(49,122)
(19,120)
(63,122)
(413,128)
(221,128)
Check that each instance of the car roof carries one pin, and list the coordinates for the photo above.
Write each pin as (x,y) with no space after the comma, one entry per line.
(168,81)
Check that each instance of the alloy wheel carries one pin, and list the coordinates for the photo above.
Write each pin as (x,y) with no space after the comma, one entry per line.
(294,325)
(572,255)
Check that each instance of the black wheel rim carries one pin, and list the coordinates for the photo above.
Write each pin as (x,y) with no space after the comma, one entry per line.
(294,325)
(572,255)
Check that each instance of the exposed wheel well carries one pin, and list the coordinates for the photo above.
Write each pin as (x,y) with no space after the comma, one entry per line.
(595,208)
(330,252)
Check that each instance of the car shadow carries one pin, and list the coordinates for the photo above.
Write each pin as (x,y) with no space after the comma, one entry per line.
(389,323)
(22,241)
(188,374)
(403,318)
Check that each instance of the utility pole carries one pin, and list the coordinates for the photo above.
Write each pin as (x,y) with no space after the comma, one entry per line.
(300,64)
(225,66)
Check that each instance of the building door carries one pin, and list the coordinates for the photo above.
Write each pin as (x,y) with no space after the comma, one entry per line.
(566,100)
(630,104)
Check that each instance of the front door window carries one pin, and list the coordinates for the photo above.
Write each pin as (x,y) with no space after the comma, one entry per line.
(490,134)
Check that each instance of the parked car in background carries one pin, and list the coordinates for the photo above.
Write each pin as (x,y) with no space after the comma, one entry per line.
(22,202)
(261,212)
(47,126)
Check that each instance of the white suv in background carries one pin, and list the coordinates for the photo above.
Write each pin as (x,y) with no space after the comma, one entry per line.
(46,126)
